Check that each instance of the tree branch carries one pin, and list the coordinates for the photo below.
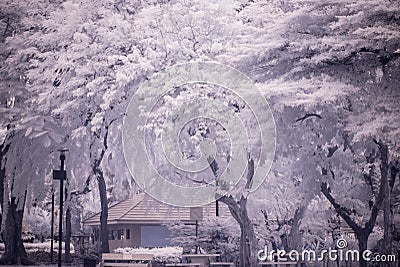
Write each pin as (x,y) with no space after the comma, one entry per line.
(308,115)
(233,207)
(383,57)
(250,173)
(339,209)
(393,174)
(331,151)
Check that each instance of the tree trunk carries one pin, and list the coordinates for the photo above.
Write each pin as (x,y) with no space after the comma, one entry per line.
(248,242)
(14,249)
(248,238)
(97,171)
(242,248)
(238,209)
(3,152)
(388,211)
(103,215)
(11,234)
(68,231)
(386,196)
(362,238)
(295,238)
(2,178)
(387,223)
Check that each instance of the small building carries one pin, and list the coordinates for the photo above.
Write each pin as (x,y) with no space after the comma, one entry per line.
(140,221)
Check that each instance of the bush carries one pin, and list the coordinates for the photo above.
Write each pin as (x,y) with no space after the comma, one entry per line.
(161,255)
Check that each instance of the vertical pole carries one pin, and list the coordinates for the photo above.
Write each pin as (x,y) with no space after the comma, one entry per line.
(216,208)
(197,233)
(60,233)
(52,228)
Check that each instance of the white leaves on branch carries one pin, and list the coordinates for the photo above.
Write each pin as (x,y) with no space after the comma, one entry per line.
(79,133)
(305,92)
(97,121)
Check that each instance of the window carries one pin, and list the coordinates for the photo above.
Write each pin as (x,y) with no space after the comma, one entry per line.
(112,235)
(121,234)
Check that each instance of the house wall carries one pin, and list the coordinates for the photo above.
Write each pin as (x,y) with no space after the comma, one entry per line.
(154,236)
(149,238)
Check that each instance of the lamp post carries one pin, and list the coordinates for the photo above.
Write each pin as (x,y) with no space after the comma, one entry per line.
(60,175)
(52,226)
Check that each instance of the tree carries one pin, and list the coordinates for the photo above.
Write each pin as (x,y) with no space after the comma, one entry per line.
(239,211)
(320,41)
(84,96)
(329,71)
(79,82)
(24,176)
(20,127)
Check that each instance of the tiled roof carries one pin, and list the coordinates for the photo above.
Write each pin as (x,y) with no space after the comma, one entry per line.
(142,209)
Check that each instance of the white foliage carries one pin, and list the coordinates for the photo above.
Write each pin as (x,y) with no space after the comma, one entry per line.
(165,254)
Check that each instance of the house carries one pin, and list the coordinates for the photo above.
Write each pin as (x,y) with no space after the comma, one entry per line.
(140,221)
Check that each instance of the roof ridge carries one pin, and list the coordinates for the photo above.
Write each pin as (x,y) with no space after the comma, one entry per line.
(140,199)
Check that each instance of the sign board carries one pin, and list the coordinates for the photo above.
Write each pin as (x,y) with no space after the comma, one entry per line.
(196,213)
(58,174)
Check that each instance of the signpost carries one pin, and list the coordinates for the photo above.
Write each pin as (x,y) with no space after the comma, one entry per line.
(60,175)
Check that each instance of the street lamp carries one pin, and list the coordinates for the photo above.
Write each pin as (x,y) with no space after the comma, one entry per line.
(60,175)
(52,225)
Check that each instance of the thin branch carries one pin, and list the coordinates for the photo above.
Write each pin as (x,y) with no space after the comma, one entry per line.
(308,115)
(214,166)
(393,174)
(331,151)
(250,173)
(193,180)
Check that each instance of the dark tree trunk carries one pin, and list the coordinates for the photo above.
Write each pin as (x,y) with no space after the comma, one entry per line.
(11,234)
(68,232)
(2,177)
(387,222)
(362,238)
(103,215)
(14,249)
(98,172)
(3,152)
